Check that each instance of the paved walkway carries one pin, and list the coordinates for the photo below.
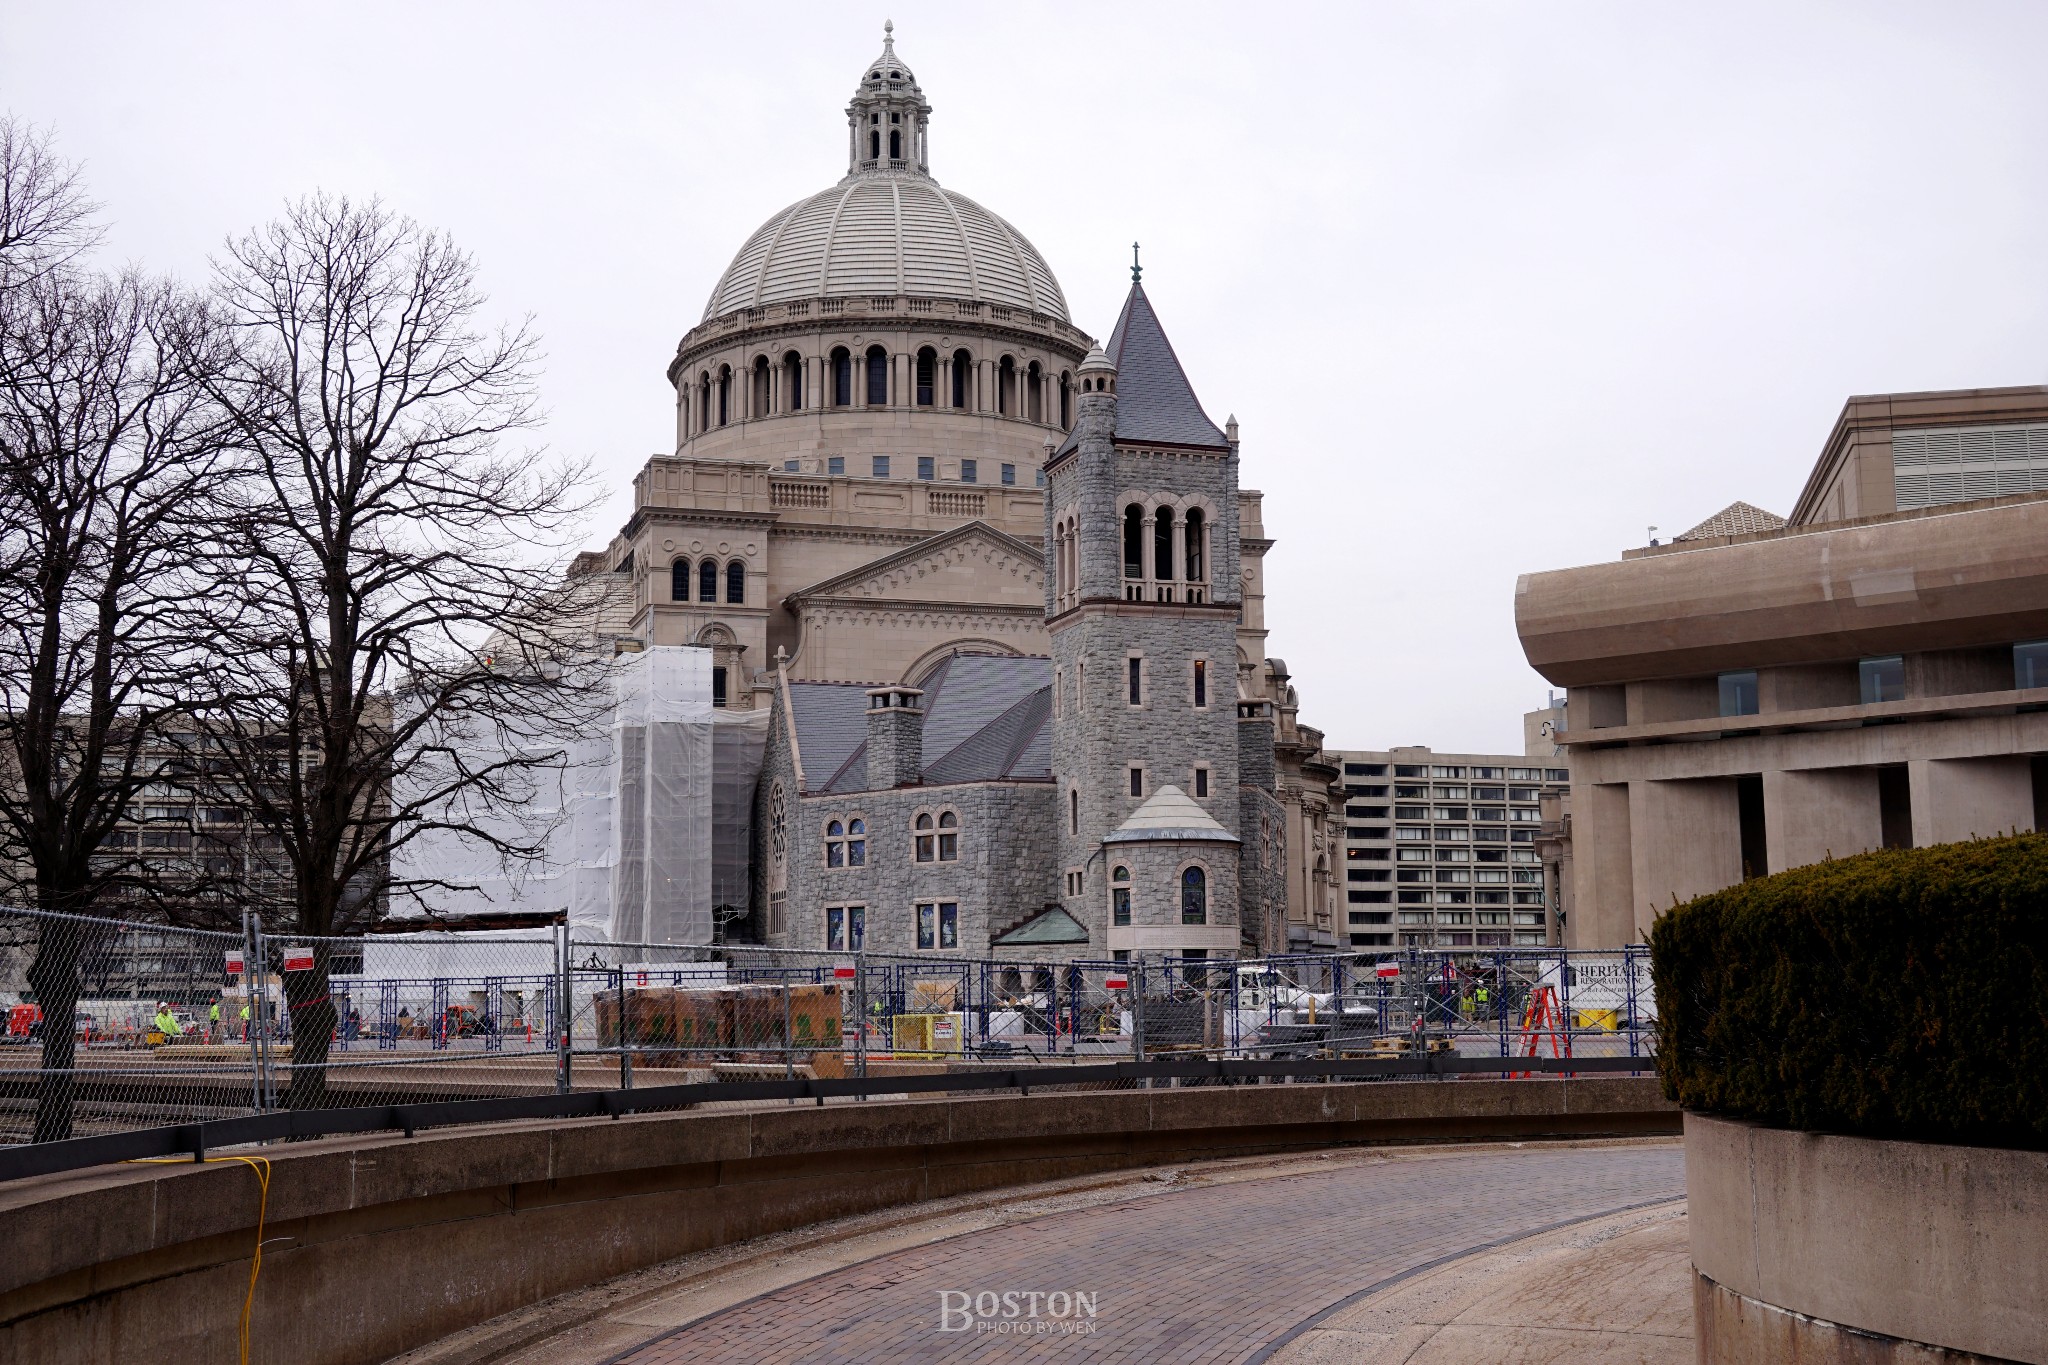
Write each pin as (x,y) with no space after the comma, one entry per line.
(1279,1269)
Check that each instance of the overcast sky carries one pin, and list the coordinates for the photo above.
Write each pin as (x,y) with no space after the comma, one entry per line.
(1490,288)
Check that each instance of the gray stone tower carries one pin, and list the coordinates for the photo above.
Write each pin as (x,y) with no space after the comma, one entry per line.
(1142,604)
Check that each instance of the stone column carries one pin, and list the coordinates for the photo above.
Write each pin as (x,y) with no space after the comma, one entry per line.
(1969,798)
(1685,839)
(1816,813)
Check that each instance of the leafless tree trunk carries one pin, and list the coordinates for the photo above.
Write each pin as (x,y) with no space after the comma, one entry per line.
(106,456)
(400,562)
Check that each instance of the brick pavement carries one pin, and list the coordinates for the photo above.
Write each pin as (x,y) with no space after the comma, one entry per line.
(1209,1274)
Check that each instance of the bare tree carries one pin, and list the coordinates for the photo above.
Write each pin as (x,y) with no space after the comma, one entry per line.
(106,458)
(46,222)
(395,667)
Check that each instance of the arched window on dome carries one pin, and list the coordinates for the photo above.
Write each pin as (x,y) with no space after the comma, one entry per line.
(1066,402)
(963,380)
(927,373)
(878,377)
(1035,394)
(792,382)
(707,580)
(1134,542)
(736,584)
(1006,386)
(874,144)
(761,377)
(842,377)
(679,581)
(724,394)
(703,402)
(895,145)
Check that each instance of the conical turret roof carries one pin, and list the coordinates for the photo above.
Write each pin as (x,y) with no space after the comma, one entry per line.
(1169,815)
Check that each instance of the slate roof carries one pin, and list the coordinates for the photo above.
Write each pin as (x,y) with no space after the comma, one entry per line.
(1154,400)
(987,716)
(1050,925)
(1170,815)
(1736,519)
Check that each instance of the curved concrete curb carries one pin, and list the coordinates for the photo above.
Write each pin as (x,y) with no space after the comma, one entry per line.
(377,1245)
(1820,1248)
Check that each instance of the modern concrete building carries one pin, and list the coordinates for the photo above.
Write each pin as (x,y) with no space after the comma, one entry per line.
(1440,849)
(1872,673)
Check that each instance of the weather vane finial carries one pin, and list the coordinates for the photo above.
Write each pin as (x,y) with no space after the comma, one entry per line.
(1136,269)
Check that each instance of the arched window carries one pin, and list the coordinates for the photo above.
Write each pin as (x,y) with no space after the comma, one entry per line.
(874,145)
(1134,541)
(792,382)
(1198,539)
(842,377)
(878,377)
(1194,896)
(895,145)
(927,368)
(778,826)
(704,401)
(924,846)
(963,378)
(1066,402)
(707,581)
(761,406)
(679,581)
(1073,810)
(736,584)
(724,394)
(1034,393)
(1162,544)
(835,843)
(1120,896)
(1006,386)
(949,837)
(856,842)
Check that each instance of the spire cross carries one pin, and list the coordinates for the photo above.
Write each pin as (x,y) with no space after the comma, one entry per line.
(1136,269)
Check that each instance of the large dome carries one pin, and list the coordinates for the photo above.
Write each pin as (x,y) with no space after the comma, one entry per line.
(887,228)
(888,233)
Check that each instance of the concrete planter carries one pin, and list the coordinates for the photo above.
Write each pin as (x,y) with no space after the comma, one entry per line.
(1820,1249)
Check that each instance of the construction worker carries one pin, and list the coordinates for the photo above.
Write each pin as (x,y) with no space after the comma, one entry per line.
(213,1023)
(167,1022)
(1481,998)
(245,1023)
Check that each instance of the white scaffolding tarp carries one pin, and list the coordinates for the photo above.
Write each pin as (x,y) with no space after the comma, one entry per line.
(646,817)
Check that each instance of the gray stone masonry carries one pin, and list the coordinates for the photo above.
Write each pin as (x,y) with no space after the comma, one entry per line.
(895,736)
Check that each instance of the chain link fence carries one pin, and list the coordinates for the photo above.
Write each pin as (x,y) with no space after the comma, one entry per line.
(173,1025)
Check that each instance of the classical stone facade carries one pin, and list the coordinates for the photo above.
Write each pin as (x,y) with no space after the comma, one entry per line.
(867,420)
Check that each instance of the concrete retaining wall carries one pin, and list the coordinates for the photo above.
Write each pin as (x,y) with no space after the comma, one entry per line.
(376,1245)
(1821,1249)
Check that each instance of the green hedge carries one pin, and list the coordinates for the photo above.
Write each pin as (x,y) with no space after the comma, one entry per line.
(1902,993)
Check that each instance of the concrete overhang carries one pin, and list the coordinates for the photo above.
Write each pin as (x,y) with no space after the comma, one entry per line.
(1916,582)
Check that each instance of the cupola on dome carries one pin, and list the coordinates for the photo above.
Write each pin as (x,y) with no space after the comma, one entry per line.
(888,227)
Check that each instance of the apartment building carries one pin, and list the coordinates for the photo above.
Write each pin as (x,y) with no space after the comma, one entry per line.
(1440,849)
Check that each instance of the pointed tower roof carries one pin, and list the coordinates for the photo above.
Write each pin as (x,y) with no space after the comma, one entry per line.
(1168,815)
(1154,400)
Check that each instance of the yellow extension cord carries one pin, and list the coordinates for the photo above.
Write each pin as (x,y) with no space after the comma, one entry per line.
(260,1165)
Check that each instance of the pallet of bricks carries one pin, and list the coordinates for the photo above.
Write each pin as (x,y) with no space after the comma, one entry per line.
(743,1024)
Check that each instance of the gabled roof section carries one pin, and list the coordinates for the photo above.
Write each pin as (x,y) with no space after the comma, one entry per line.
(987,718)
(869,579)
(1050,925)
(1154,400)
(1169,816)
(1736,519)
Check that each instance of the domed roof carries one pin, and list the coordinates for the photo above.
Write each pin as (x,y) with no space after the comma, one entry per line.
(888,233)
(887,228)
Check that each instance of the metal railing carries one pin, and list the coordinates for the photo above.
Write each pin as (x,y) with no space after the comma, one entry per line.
(189,1027)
